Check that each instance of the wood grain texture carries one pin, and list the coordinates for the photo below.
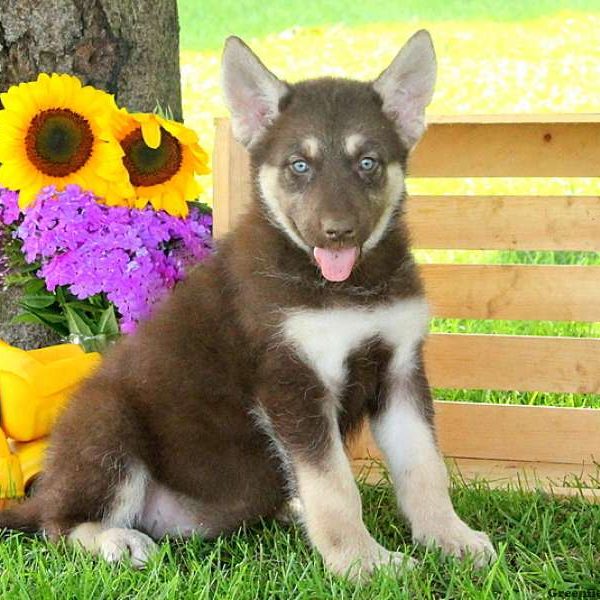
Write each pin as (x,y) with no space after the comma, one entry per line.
(529,292)
(505,147)
(522,363)
(508,432)
(231,179)
(558,479)
(505,222)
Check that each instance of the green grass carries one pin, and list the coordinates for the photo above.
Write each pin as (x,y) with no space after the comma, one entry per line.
(205,24)
(544,544)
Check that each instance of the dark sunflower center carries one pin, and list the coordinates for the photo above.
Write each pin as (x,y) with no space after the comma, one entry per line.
(59,142)
(151,166)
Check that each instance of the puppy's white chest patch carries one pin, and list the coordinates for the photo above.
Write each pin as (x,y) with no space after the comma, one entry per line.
(324,338)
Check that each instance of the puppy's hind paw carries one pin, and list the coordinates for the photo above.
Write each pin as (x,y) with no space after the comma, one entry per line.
(116,545)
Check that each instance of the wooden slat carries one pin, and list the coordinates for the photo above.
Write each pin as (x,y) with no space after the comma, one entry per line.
(504,222)
(522,363)
(231,179)
(508,432)
(535,292)
(501,147)
(529,118)
(559,479)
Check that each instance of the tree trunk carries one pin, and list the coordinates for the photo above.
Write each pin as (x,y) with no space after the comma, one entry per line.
(129,48)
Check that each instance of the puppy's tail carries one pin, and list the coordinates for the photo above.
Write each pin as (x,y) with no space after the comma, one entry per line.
(26,517)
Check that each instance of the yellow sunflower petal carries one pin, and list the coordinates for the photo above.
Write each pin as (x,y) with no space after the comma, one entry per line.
(192,189)
(16,100)
(140,202)
(27,195)
(8,123)
(151,133)
(199,153)
(181,132)
(11,147)
(11,176)
(199,166)
(55,91)
(176,208)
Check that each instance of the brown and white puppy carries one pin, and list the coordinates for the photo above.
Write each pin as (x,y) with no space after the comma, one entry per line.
(243,388)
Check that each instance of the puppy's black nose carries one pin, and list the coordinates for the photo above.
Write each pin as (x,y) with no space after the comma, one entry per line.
(338,230)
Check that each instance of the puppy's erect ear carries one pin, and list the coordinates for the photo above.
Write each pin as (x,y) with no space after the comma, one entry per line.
(252,92)
(406,86)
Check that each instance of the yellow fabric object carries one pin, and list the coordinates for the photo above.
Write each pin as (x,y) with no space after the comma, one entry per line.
(11,475)
(20,463)
(30,456)
(35,384)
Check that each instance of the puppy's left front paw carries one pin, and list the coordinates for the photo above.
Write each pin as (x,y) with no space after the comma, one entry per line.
(456,538)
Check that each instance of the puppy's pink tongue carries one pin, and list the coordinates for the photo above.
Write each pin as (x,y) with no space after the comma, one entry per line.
(336,265)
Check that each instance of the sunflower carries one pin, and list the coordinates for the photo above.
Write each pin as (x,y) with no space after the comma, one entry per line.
(54,131)
(162,158)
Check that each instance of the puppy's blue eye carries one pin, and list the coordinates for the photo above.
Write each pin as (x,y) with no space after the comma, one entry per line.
(367,163)
(300,167)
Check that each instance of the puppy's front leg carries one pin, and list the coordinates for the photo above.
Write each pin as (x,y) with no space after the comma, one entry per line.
(333,514)
(403,429)
(306,432)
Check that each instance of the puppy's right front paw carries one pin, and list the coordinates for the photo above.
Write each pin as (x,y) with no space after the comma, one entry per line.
(358,563)
(456,538)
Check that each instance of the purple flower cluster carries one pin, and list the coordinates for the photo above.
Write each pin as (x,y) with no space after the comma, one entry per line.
(133,256)
(9,206)
(9,214)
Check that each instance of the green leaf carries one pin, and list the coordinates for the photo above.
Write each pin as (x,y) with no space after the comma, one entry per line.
(76,323)
(26,317)
(60,295)
(98,300)
(37,300)
(165,113)
(19,279)
(29,268)
(49,316)
(201,206)
(108,322)
(50,320)
(84,306)
(34,285)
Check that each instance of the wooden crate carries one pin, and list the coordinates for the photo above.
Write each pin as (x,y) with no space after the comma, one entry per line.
(541,447)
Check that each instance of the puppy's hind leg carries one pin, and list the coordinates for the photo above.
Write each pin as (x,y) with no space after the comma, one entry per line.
(94,484)
(114,537)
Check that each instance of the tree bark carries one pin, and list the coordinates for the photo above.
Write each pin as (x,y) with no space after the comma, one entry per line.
(129,48)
